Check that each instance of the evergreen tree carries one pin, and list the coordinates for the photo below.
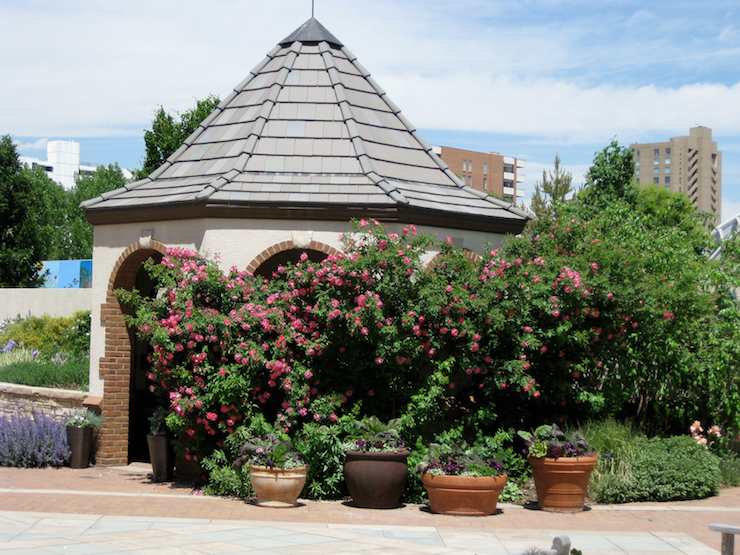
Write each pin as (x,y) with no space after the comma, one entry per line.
(554,188)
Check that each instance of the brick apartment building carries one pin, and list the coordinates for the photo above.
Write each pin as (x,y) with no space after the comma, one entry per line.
(491,172)
(691,165)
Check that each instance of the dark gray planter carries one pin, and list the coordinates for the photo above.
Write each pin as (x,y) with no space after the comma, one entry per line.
(80,442)
(160,454)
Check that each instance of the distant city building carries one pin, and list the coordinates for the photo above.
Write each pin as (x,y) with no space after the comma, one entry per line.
(63,164)
(691,165)
(491,172)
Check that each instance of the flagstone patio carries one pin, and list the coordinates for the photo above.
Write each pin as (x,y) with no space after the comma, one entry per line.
(117,510)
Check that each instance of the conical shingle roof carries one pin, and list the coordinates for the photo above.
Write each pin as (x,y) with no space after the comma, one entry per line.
(308,134)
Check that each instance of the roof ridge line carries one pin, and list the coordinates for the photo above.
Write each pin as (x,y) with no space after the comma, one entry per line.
(366,163)
(219,182)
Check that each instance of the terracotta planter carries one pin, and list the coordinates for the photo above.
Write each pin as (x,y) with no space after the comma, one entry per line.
(463,495)
(80,443)
(562,483)
(376,480)
(160,455)
(275,487)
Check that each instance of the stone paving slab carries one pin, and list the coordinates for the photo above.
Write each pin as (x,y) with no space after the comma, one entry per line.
(80,534)
(128,492)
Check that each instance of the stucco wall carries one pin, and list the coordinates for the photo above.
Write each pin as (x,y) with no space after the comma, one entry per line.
(19,400)
(37,302)
(232,242)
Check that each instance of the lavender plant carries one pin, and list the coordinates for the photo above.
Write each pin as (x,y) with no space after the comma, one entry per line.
(33,441)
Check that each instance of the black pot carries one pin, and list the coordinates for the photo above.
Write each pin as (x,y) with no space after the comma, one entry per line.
(376,480)
(80,442)
(161,456)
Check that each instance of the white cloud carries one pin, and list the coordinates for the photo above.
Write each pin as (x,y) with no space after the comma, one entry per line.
(38,144)
(101,68)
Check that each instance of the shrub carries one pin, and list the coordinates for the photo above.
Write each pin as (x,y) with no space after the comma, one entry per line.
(659,469)
(729,468)
(33,441)
(50,335)
(71,374)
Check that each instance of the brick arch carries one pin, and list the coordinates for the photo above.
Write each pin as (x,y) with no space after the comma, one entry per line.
(470,255)
(283,246)
(115,364)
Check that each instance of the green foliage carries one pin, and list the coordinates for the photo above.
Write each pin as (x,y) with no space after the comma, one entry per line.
(634,468)
(549,440)
(729,467)
(610,177)
(85,419)
(77,233)
(169,131)
(551,191)
(50,334)
(224,479)
(371,434)
(24,219)
(71,374)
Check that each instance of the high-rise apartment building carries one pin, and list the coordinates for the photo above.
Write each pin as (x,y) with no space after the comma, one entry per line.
(491,172)
(691,165)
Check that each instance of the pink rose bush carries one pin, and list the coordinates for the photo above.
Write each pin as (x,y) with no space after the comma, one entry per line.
(529,330)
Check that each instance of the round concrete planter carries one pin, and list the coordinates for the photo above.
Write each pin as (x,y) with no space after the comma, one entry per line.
(562,483)
(80,443)
(376,480)
(275,487)
(463,495)
(160,454)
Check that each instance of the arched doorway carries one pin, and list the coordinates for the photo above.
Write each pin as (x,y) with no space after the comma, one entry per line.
(287,252)
(126,403)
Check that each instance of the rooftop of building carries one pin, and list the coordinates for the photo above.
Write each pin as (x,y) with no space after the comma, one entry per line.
(307,134)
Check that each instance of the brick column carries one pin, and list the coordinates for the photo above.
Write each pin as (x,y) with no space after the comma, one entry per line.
(115,365)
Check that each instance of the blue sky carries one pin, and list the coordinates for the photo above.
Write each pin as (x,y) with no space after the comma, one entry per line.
(527,78)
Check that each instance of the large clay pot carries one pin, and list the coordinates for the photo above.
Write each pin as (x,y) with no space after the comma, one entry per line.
(275,487)
(376,480)
(80,443)
(160,454)
(463,495)
(562,483)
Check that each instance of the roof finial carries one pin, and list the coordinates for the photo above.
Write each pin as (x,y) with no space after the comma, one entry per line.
(312,7)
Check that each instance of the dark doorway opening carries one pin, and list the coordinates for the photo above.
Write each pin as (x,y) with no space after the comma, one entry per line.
(290,256)
(142,402)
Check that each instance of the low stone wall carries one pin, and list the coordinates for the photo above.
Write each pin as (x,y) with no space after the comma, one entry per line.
(17,400)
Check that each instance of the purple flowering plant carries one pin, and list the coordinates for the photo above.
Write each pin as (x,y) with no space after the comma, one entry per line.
(552,442)
(33,441)
(373,436)
(461,459)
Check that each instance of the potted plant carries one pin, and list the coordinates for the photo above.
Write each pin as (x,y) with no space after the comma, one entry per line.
(562,465)
(160,453)
(462,480)
(80,428)
(375,465)
(276,470)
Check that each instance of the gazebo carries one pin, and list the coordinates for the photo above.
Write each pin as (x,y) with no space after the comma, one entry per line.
(304,144)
